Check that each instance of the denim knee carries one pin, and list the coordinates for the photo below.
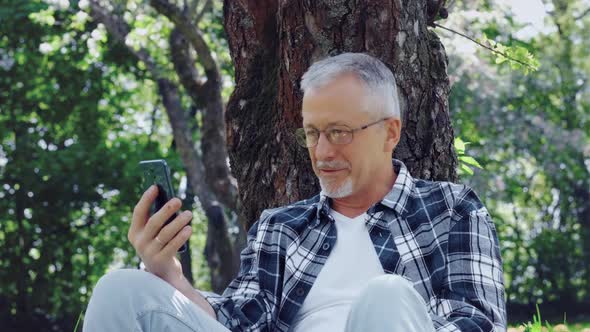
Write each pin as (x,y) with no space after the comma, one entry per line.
(114,300)
(124,282)
(389,303)
(390,290)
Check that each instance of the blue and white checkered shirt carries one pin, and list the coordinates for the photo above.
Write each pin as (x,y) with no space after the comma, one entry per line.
(438,235)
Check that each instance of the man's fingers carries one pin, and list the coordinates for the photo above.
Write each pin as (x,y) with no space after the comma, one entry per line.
(141,210)
(181,237)
(156,221)
(169,231)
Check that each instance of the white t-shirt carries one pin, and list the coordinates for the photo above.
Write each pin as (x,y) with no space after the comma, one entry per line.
(351,264)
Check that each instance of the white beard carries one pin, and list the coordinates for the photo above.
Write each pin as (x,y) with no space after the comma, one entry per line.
(345,189)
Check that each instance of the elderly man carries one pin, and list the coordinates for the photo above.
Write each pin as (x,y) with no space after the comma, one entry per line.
(376,250)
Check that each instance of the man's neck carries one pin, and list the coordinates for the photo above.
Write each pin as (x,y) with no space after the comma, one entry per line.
(358,203)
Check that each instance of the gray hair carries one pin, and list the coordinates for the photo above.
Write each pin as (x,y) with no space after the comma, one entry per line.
(378,79)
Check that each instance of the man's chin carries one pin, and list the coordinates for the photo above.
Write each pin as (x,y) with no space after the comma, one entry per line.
(340,191)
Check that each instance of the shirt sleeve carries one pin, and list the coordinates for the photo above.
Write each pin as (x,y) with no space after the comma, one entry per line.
(472,296)
(243,306)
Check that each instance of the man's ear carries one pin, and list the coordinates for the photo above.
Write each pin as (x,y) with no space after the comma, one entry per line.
(393,126)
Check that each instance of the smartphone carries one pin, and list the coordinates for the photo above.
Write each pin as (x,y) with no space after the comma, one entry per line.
(157,172)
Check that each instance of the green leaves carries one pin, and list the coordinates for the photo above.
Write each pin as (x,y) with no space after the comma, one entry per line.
(517,57)
(71,134)
(11,10)
(523,106)
(45,16)
(465,162)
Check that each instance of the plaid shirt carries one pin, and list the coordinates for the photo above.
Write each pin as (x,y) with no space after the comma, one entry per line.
(438,235)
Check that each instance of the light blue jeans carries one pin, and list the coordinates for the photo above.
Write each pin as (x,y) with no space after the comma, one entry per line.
(135,300)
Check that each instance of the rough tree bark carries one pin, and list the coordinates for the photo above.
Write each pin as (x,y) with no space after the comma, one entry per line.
(272,43)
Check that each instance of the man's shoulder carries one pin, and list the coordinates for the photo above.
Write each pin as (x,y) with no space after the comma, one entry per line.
(296,211)
(455,195)
(435,201)
(424,188)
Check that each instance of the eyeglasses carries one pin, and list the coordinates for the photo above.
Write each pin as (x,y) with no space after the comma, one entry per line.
(336,134)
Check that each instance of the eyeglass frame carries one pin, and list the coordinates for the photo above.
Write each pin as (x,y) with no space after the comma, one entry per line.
(325,131)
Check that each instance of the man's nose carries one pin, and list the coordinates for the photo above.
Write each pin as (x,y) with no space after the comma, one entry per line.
(324,149)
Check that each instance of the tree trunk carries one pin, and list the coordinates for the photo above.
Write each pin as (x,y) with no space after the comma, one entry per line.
(219,252)
(273,43)
(186,257)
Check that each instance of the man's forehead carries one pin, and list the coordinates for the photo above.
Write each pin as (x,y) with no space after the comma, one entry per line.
(329,124)
(323,119)
(334,114)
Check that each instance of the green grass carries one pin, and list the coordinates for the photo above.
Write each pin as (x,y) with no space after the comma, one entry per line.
(537,325)
(570,327)
(78,322)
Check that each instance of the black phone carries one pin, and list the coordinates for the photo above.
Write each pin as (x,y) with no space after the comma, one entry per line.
(157,172)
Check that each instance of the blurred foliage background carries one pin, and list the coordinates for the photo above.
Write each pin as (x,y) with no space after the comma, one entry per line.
(77,113)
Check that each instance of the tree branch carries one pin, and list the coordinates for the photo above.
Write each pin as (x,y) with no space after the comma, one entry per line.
(190,31)
(220,256)
(184,65)
(119,29)
(213,141)
(206,7)
(584,13)
(193,7)
(219,244)
(484,45)
(435,10)
(153,124)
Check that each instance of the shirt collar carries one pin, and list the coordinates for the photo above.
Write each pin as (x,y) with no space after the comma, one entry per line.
(395,199)
(322,207)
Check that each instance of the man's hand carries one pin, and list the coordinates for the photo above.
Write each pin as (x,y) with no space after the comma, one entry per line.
(157,245)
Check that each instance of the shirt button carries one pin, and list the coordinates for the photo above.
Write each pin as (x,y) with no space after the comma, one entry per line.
(299,291)
(326,246)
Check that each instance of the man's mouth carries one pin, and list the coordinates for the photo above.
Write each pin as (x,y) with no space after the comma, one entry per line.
(331,167)
(330,171)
